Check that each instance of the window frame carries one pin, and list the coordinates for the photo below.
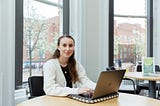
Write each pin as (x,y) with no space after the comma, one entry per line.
(149,30)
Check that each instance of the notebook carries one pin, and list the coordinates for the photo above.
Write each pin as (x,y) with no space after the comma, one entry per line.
(107,87)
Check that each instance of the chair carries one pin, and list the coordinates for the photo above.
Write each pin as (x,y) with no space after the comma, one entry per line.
(157,68)
(141,85)
(127,85)
(36,86)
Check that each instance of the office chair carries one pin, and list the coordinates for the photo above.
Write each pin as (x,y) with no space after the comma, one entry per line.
(127,85)
(36,86)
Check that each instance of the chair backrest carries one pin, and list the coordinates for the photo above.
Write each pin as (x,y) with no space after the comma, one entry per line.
(110,68)
(157,69)
(139,68)
(36,86)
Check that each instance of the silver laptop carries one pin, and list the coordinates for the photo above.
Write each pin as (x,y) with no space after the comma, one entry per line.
(107,87)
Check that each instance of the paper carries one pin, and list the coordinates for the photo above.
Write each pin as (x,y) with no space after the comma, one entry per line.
(148,66)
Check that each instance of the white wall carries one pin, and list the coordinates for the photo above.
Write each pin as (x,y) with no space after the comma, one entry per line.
(89,25)
(7,52)
(156,31)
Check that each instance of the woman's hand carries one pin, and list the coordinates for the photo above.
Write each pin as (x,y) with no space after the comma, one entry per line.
(85,91)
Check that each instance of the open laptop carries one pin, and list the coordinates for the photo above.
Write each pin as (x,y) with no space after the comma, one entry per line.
(107,87)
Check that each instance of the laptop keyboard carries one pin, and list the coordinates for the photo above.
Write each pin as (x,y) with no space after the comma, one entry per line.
(87,99)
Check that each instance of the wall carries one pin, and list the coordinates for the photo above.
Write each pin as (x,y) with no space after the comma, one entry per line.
(156,31)
(89,26)
(7,52)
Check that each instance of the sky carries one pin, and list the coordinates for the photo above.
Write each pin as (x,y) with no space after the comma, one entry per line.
(44,10)
(132,7)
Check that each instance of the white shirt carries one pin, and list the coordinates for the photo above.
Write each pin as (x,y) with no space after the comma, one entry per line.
(55,82)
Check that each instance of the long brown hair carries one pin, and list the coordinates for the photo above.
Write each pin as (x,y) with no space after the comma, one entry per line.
(71,61)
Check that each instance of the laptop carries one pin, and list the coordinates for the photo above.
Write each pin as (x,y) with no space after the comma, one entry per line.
(107,87)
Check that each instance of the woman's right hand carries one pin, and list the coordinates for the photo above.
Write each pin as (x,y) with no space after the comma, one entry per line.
(85,91)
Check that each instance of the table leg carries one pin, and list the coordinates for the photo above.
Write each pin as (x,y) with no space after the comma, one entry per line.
(152,89)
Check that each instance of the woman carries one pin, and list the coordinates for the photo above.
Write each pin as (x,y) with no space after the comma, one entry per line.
(63,75)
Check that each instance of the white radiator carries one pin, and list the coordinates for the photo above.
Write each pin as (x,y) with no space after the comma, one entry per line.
(20,96)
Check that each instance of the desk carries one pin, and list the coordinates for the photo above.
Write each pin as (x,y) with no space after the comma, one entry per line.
(122,100)
(152,81)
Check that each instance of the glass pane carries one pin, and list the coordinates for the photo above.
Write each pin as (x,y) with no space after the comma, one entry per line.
(130,7)
(42,26)
(129,41)
(55,1)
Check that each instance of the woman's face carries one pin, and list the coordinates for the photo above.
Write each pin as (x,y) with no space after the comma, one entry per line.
(66,47)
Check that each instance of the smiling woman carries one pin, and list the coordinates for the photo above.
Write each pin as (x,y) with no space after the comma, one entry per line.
(64,75)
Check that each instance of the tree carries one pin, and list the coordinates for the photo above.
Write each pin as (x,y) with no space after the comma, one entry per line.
(35,28)
(39,32)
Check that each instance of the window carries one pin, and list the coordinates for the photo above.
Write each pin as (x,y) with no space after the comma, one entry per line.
(40,22)
(131,30)
(42,25)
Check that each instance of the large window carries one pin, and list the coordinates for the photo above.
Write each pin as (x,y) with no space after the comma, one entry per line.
(131,28)
(39,23)
(42,25)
